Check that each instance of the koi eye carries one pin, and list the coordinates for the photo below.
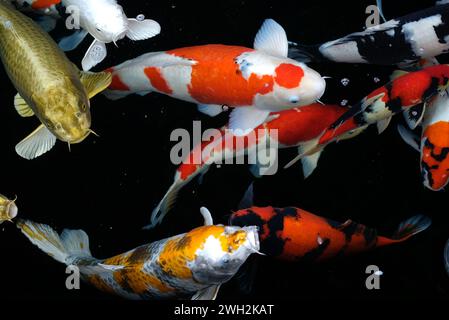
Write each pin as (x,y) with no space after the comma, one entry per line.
(78,115)
(294,99)
(99,30)
(84,107)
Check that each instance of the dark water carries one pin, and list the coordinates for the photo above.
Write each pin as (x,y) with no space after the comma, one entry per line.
(109,185)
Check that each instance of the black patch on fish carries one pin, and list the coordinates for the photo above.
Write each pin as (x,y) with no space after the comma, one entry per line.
(316,253)
(139,254)
(349,230)
(432,89)
(395,105)
(355,111)
(333,224)
(250,218)
(370,236)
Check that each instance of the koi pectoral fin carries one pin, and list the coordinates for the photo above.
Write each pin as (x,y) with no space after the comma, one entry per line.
(243,120)
(212,110)
(23,109)
(71,42)
(209,293)
(36,144)
(96,53)
(142,30)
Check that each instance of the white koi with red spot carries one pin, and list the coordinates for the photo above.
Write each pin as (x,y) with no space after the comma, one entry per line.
(255,81)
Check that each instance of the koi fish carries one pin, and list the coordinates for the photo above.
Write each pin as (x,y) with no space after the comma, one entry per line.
(297,128)
(106,21)
(191,265)
(8,209)
(294,234)
(254,82)
(49,85)
(408,92)
(420,35)
(433,144)
(44,12)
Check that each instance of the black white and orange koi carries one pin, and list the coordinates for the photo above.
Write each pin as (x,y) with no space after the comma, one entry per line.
(294,234)
(298,128)
(255,82)
(191,265)
(433,144)
(420,35)
(407,92)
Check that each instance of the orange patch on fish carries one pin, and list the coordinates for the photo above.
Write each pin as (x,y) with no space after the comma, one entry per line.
(217,78)
(43,4)
(178,252)
(288,75)
(157,80)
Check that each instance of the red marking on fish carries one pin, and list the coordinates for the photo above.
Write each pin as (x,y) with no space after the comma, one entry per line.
(43,4)
(289,76)
(157,80)
(217,79)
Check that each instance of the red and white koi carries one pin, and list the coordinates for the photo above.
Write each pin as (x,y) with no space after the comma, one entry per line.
(191,265)
(433,144)
(297,128)
(402,94)
(255,82)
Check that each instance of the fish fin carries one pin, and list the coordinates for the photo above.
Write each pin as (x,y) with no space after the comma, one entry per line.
(212,110)
(209,293)
(94,83)
(45,238)
(248,198)
(141,30)
(303,150)
(441,2)
(40,141)
(412,227)
(409,137)
(352,133)
(272,39)
(245,119)
(165,205)
(383,124)
(446,257)
(70,43)
(76,243)
(100,269)
(414,115)
(398,73)
(23,109)
(345,224)
(207,216)
(96,53)
(381,12)
(310,163)
(111,267)
(115,94)
(246,276)
(47,23)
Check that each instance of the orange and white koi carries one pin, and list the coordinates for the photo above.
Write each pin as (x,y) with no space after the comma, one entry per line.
(8,209)
(297,128)
(403,93)
(253,81)
(294,234)
(191,265)
(434,143)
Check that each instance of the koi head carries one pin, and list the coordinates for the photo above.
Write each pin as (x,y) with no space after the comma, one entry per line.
(67,113)
(220,251)
(8,209)
(108,24)
(295,85)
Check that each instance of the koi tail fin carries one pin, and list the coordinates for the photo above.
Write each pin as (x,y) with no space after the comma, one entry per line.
(71,243)
(411,227)
(304,53)
(165,205)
